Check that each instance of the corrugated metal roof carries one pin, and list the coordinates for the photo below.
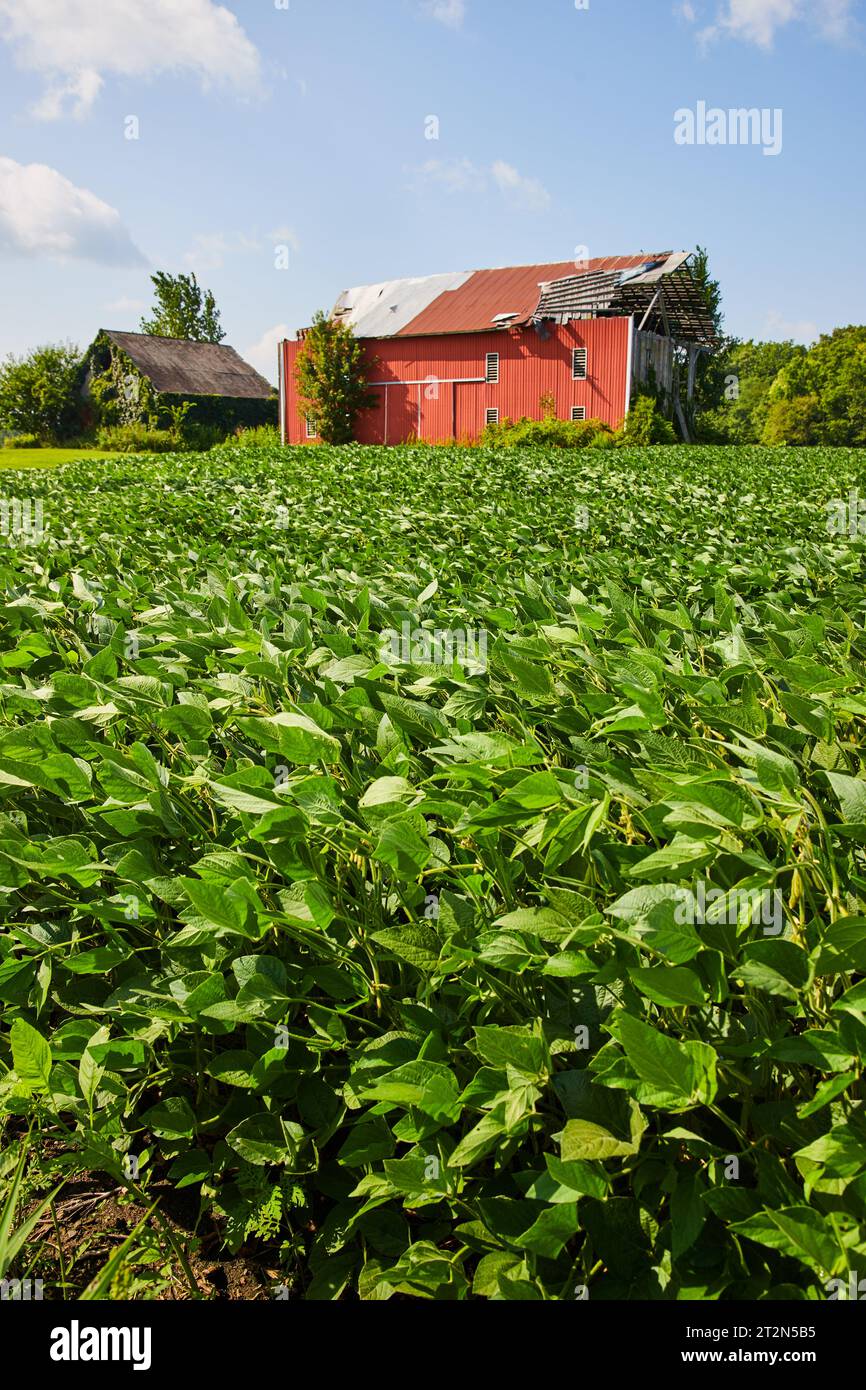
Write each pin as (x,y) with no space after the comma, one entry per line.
(179,366)
(472,307)
(382,311)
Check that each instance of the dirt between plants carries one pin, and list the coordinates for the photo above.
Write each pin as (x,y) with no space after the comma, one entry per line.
(90,1221)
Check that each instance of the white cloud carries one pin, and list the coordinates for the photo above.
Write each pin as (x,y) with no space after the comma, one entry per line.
(452,175)
(523,192)
(210,250)
(779,329)
(686,11)
(836,19)
(263,354)
(125,305)
(75,44)
(462,176)
(449,12)
(42,213)
(759,21)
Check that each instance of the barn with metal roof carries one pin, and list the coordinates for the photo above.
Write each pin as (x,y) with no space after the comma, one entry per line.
(449,353)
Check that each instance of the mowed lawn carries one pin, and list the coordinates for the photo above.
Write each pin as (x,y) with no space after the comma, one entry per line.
(47,458)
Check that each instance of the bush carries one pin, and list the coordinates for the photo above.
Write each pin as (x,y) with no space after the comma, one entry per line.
(22,441)
(200,438)
(261,437)
(144,439)
(549,432)
(645,424)
(137,439)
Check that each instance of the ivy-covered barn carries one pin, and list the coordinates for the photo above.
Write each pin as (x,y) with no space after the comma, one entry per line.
(136,378)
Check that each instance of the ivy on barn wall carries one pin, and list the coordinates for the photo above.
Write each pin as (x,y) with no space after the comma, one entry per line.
(225,412)
(116,388)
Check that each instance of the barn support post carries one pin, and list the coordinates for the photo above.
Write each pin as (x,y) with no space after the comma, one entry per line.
(664,313)
(694,354)
(678,405)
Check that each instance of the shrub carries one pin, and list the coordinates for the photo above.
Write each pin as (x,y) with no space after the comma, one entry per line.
(604,441)
(547,433)
(260,437)
(137,439)
(645,424)
(200,438)
(21,441)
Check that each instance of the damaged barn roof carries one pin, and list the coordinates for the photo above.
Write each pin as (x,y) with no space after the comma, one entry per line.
(484,301)
(664,291)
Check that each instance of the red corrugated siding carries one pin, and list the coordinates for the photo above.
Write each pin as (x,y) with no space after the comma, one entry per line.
(529,368)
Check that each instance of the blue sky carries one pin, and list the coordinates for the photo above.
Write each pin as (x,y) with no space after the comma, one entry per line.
(296,131)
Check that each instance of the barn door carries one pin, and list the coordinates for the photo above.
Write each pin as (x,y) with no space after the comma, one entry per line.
(402,408)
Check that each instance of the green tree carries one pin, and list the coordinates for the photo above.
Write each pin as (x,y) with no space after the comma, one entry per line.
(737,400)
(332,383)
(39,393)
(707,385)
(833,374)
(183,310)
(711,289)
(796,421)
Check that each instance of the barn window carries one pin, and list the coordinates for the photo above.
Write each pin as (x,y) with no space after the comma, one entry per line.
(578,364)
(578,412)
(493,415)
(492,368)
(312,431)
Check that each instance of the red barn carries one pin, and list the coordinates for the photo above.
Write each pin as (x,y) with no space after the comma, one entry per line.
(448,354)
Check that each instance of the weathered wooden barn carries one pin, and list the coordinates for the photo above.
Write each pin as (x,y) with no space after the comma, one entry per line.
(448,354)
(137,378)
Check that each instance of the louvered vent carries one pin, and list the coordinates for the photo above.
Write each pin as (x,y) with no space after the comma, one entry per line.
(578,364)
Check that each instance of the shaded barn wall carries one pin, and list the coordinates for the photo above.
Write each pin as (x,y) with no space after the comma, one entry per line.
(654,362)
(228,413)
(429,388)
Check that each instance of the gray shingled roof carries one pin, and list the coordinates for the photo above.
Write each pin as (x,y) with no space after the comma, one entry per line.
(183,368)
